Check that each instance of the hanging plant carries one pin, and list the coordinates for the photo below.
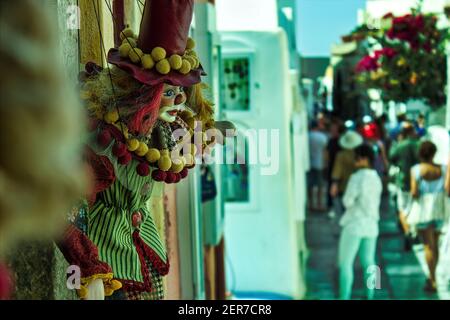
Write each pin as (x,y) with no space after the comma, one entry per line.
(411,63)
(360,33)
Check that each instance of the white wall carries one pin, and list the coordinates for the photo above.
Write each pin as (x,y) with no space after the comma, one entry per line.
(246,15)
(261,239)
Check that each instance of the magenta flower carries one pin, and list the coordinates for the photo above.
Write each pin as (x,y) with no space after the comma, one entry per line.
(367,63)
(386,52)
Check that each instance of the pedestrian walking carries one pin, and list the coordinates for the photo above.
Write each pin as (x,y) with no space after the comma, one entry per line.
(427,214)
(318,141)
(360,222)
(343,168)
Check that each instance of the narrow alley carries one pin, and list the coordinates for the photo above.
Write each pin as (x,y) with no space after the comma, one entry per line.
(403,273)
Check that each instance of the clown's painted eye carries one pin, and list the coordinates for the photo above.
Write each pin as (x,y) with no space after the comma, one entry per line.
(181,89)
(169,93)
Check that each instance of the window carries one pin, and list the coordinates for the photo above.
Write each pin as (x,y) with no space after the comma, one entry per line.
(237,173)
(236,84)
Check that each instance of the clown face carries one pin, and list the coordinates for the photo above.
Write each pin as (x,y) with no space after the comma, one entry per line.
(172,101)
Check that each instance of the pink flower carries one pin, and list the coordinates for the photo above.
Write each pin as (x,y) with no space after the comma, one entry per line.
(418,23)
(386,52)
(367,63)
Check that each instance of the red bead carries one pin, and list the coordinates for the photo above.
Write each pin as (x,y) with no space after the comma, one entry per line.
(159,175)
(143,169)
(170,177)
(104,138)
(177,178)
(184,173)
(119,149)
(136,219)
(125,159)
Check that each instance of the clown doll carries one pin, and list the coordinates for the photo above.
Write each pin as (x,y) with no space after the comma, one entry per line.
(153,91)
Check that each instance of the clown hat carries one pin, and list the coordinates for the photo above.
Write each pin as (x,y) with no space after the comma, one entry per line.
(162,52)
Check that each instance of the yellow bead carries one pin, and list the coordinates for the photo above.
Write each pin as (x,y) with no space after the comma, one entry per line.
(135,55)
(164,163)
(158,53)
(111,116)
(130,41)
(124,50)
(175,61)
(191,60)
(153,155)
(128,32)
(133,144)
(191,53)
(147,61)
(190,44)
(177,166)
(185,67)
(163,66)
(142,149)
(164,152)
(196,62)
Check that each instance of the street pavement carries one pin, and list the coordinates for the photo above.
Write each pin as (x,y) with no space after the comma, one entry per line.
(403,272)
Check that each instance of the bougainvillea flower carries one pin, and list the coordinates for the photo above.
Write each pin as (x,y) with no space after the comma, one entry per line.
(386,52)
(418,23)
(367,63)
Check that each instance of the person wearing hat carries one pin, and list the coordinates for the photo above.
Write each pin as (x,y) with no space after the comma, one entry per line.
(143,113)
(344,166)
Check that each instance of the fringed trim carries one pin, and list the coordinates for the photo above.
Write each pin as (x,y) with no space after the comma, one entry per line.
(145,254)
(109,283)
(160,266)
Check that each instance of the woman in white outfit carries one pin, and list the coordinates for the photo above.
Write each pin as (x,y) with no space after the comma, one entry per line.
(360,223)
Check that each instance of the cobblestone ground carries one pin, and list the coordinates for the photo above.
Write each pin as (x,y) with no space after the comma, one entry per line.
(403,273)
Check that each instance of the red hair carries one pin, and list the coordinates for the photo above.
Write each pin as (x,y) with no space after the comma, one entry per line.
(151,101)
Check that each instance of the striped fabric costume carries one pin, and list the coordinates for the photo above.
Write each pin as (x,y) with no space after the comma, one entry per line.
(133,249)
(115,238)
